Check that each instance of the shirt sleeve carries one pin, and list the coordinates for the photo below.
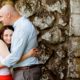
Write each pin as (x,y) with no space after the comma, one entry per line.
(17,49)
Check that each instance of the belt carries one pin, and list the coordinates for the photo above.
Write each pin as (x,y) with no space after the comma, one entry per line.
(27,67)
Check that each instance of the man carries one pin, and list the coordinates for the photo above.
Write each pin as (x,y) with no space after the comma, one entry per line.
(24,38)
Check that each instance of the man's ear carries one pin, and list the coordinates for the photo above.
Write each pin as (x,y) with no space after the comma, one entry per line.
(9,15)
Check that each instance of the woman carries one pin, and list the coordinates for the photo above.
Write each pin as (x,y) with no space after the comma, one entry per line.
(5,43)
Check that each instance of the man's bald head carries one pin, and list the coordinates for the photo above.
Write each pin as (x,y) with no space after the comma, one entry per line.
(9,14)
(8,9)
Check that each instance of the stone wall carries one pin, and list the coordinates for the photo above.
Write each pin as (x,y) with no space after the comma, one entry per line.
(57,25)
(51,19)
(74,40)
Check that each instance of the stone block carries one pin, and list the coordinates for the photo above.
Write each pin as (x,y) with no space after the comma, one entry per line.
(75,6)
(74,25)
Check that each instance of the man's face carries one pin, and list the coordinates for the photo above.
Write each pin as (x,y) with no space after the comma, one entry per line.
(4,19)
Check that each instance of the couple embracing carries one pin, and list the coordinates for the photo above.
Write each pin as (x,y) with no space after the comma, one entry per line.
(22,44)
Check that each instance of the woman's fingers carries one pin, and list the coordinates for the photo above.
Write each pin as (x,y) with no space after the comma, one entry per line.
(36,52)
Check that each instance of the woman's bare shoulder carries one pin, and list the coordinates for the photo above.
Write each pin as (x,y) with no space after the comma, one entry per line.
(2,42)
(3,49)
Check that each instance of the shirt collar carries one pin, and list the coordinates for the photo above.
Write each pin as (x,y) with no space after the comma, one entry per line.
(17,21)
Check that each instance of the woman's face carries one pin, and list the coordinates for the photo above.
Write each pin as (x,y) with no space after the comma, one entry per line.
(7,35)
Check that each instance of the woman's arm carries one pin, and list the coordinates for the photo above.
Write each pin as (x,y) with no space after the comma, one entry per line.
(32,52)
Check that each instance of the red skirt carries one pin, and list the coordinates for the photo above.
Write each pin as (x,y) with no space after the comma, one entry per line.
(6,77)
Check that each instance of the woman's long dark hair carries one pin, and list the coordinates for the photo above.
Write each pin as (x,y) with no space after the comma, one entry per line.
(2,31)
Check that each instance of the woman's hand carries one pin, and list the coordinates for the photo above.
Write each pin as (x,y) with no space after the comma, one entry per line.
(34,52)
